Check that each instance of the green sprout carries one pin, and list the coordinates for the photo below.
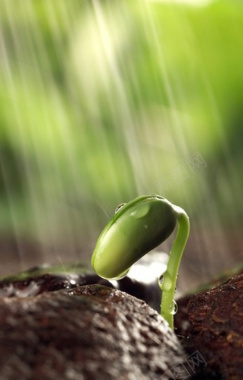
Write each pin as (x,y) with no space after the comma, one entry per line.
(136,228)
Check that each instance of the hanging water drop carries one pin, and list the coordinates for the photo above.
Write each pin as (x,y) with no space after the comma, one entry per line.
(173,307)
(119,207)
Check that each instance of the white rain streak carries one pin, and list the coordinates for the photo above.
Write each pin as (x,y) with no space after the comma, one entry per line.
(73,132)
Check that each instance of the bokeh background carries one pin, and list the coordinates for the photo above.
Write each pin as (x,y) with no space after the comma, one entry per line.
(105,100)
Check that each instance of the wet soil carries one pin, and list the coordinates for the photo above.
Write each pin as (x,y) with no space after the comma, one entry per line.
(211,323)
(37,309)
(88,332)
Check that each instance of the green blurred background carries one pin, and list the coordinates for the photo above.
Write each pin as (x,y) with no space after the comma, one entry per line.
(102,101)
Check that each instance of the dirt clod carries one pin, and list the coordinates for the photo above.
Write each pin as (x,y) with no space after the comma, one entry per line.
(215,328)
(89,332)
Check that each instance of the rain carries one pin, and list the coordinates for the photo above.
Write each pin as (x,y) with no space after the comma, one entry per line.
(103,101)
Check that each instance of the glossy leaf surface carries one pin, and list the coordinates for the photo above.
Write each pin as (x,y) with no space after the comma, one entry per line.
(138,227)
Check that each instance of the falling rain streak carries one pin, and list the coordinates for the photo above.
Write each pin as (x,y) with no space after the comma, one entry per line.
(103,101)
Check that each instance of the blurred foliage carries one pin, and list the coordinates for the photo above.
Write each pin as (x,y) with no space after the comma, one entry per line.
(101,101)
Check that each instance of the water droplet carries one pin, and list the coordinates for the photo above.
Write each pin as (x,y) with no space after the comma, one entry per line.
(165,281)
(173,307)
(141,211)
(161,279)
(119,207)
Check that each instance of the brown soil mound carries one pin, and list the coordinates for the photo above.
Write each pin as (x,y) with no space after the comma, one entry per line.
(89,332)
(211,322)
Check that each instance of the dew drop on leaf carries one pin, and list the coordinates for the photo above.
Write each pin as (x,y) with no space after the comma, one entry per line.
(161,279)
(165,281)
(118,208)
(140,212)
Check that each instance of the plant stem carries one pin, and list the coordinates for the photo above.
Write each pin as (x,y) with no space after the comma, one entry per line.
(170,276)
